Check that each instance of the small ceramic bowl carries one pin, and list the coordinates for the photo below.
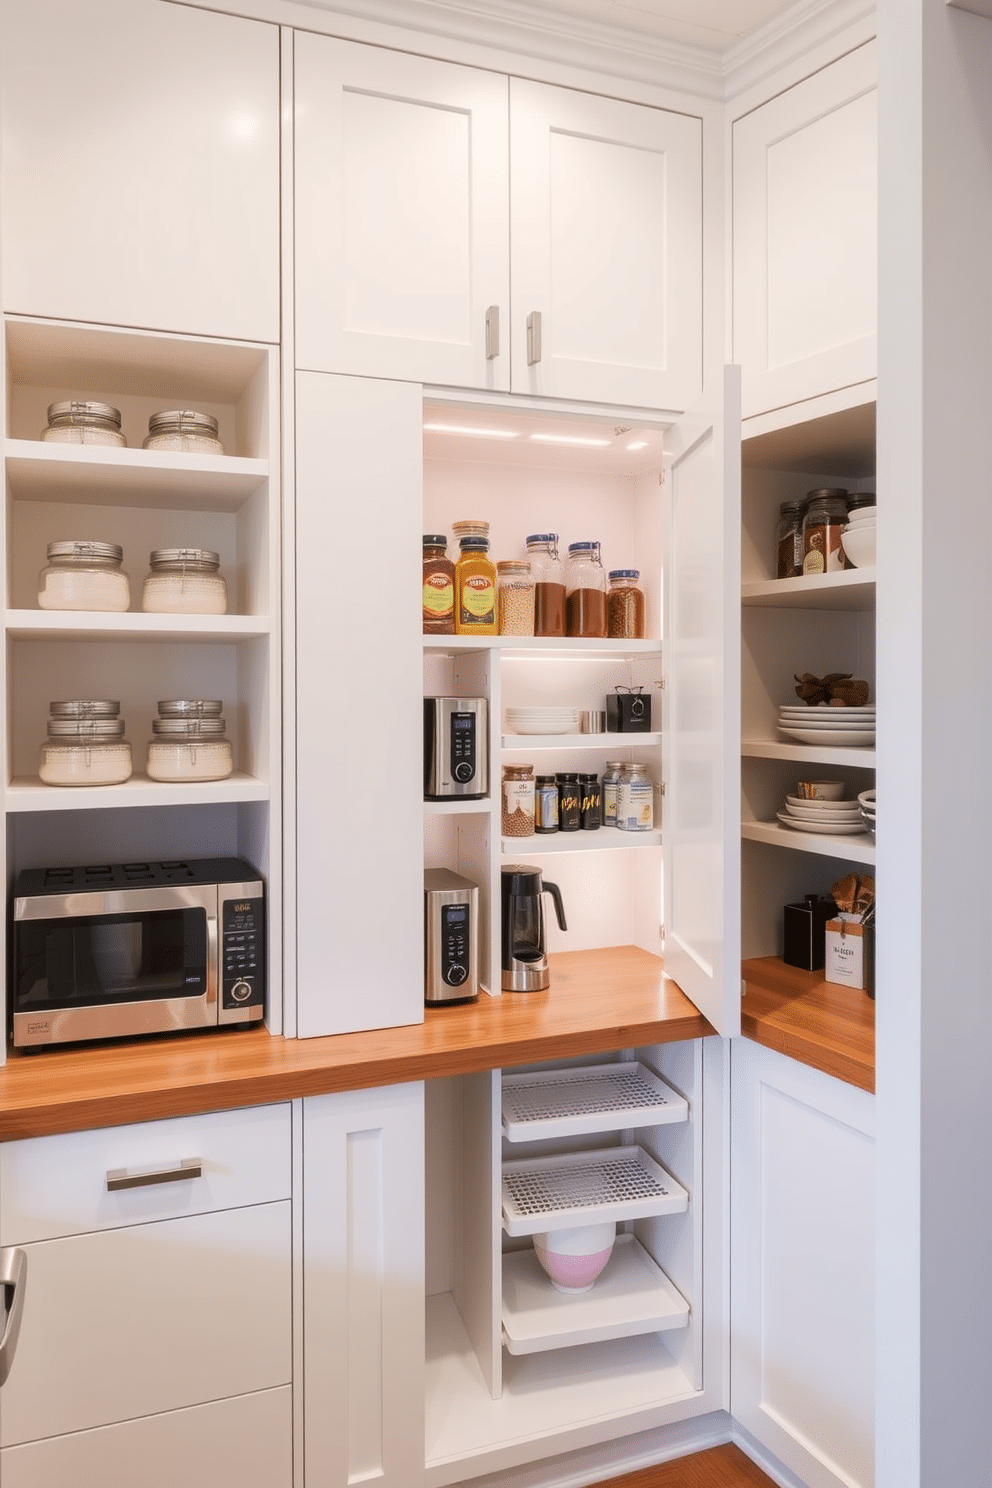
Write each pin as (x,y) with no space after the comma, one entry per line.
(820,790)
(574,1258)
(859,545)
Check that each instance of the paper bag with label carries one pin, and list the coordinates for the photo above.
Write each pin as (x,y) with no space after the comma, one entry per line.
(850,952)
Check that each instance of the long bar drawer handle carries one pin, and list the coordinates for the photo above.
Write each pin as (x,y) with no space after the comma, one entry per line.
(533,338)
(492,333)
(190,1167)
(13,1279)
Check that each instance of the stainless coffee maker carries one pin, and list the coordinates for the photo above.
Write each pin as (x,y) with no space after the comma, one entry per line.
(524,957)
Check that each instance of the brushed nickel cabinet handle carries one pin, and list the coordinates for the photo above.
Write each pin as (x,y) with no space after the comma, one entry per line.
(13,1279)
(492,333)
(533,338)
(189,1167)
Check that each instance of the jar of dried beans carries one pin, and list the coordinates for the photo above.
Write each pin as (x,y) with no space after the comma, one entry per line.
(515,594)
(518,800)
(625,605)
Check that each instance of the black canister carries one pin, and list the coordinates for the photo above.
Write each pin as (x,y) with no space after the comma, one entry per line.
(591,803)
(569,802)
(805,932)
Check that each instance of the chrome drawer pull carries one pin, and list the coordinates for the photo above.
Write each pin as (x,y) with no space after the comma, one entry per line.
(492,333)
(13,1279)
(533,338)
(190,1167)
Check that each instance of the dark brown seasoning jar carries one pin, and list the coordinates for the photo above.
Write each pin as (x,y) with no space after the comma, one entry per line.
(825,519)
(625,605)
(439,586)
(549,584)
(585,592)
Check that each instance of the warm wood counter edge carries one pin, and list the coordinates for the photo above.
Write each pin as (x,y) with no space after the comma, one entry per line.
(599,1001)
(816,1022)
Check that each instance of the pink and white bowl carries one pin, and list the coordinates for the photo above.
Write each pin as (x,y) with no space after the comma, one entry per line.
(574,1258)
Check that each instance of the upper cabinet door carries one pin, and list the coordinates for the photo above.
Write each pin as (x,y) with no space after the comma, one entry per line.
(606,235)
(141,166)
(401,216)
(701,728)
(806,237)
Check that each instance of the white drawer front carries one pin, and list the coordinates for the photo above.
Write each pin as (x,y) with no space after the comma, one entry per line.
(246,1442)
(52,1186)
(151,1318)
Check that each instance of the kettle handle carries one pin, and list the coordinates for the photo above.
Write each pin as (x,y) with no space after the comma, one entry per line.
(555,892)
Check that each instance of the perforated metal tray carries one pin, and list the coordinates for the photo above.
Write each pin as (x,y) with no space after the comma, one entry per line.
(588,1098)
(577,1188)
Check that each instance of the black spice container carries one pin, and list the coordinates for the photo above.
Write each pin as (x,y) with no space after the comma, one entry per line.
(805,932)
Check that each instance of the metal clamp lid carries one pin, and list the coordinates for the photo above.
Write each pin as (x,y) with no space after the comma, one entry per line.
(82,552)
(189,728)
(77,409)
(182,421)
(86,730)
(204,559)
(190,708)
(85,708)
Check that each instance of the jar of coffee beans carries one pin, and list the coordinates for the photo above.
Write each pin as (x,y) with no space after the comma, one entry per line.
(518,801)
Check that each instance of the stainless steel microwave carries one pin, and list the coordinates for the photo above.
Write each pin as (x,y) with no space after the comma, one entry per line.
(124,949)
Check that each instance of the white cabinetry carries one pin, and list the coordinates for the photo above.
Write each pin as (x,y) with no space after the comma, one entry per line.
(414,262)
(136,1337)
(802,1259)
(141,166)
(805,236)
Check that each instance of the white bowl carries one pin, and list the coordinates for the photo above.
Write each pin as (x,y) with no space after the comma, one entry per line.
(859,545)
(820,790)
(574,1258)
(864,514)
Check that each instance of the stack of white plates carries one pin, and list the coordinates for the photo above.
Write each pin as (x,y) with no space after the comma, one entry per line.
(832,818)
(858,537)
(825,724)
(542,720)
(866,801)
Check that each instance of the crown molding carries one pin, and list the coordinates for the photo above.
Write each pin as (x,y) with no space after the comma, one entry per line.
(790,37)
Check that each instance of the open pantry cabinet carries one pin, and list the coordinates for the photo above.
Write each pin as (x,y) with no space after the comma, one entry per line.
(144,499)
(815,623)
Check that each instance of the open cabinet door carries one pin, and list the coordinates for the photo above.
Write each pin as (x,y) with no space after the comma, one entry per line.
(701,724)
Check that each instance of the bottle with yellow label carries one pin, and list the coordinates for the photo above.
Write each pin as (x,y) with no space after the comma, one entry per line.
(475,589)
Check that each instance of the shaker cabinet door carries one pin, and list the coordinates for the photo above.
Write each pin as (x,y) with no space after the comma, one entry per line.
(606,248)
(141,166)
(805,240)
(401,216)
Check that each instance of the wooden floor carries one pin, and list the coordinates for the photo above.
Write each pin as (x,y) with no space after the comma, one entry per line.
(721,1467)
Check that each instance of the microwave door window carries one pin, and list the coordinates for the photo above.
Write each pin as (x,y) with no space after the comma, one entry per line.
(112,958)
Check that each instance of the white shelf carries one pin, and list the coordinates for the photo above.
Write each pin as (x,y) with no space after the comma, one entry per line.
(603,839)
(459,806)
(589,1098)
(808,753)
(108,476)
(26,794)
(604,742)
(632,1295)
(577,1188)
(91,625)
(564,648)
(853,589)
(859,847)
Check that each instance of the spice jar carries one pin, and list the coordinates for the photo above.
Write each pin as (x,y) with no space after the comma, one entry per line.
(439,586)
(590,807)
(189,746)
(84,576)
(184,581)
(608,791)
(184,431)
(518,800)
(85,744)
(546,804)
(585,591)
(549,584)
(475,589)
(569,801)
(625,605)
(80,422)
(635,799)
(470,527)
(789,540)
(823,523)
(515,596)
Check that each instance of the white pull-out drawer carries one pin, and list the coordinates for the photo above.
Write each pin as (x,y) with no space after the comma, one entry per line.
(246,1442)
(150,1318)
(52,1186)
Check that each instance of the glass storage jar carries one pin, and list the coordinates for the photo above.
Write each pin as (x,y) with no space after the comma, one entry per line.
(189,747)
(546,804)
(475,589)
(81,422)
(515,596)
(789,540)
(84,576)
(183,431)
(585,591)
(635,799)
(88,749)
(823,523)
(608,791)
(438,586)
(625,605)
(184,581)
(549,584)
(518,801)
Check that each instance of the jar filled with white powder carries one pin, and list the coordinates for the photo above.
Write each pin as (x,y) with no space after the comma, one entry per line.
(80,422)
(84,576)
(85,745)
(184,431)
(184,581)
(189,742)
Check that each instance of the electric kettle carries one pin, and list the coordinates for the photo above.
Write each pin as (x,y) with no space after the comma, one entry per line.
(524,956)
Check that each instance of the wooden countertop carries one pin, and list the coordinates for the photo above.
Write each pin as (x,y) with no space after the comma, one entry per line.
(598,1001)
(816,1022)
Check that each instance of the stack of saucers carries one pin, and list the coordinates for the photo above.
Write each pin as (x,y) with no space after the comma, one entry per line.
(542,720)
(858,537)
(866,802)
(824,723)
(830,818)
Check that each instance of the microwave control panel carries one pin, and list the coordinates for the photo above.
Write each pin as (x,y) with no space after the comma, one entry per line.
(454,943)
(463,747)
(242,959)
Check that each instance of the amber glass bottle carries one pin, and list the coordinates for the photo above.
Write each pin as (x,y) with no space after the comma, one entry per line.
(439,586)
(475,589)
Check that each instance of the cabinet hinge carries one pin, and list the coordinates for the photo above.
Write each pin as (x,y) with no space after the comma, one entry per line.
(743,987)
(661,682)
(662,476)
(661,786)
